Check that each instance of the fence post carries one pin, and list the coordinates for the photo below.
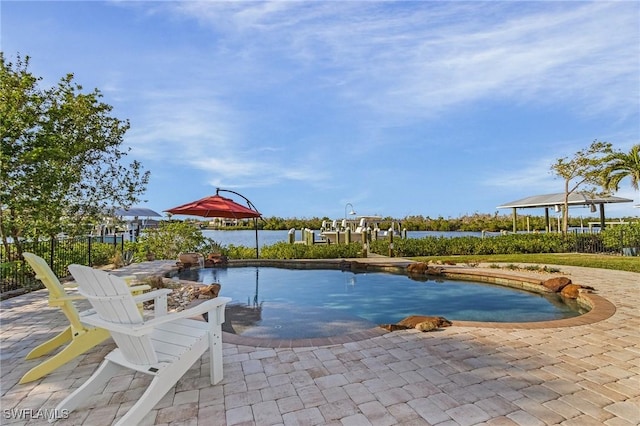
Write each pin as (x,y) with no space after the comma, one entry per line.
(51,252)
(89,250)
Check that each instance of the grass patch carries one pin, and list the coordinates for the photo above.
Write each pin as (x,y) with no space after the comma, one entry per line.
(621,263)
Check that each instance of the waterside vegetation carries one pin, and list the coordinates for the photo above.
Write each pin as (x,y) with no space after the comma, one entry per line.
(602,261)
(475,222)
(162,243)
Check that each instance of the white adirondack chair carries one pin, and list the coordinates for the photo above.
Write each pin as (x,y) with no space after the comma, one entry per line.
(165,346)
(79,337)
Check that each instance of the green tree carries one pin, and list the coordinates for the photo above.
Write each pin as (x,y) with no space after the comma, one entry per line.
(61,161)
(170,239)
(585,168)
(621,165)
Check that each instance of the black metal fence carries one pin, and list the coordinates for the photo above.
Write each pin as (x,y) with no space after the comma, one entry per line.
(620,242)
(591,243)
(16,276)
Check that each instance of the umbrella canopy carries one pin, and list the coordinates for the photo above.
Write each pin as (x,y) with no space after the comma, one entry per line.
(218,206)
(215,206)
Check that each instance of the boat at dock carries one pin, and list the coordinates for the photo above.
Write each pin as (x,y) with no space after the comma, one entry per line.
(358,229)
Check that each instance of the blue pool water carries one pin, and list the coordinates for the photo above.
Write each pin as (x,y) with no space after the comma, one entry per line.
(302,303)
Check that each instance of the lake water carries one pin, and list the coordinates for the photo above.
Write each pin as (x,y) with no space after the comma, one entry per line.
(266,238)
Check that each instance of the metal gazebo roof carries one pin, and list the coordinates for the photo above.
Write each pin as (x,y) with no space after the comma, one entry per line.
(552,200)
(556,200)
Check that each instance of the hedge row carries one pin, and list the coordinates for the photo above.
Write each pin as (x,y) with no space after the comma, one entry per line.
(609,241)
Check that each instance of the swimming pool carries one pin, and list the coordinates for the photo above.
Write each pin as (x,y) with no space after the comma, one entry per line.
(279,303)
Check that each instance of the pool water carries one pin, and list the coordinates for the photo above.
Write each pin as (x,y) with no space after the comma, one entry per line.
(282,303)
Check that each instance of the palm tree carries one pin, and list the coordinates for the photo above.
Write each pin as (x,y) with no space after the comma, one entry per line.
(620,165)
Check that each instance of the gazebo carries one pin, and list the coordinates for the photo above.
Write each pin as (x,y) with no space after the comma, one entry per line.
(556,201)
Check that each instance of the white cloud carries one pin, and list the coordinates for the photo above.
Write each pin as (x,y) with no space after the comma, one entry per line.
(414,60)
(209,138)
(534,178)
(384,64)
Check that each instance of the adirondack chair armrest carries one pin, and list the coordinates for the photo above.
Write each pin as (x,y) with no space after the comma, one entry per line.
(84,314)
(59,301)
(159,297)
(131,282)
(148,326)
(209,306)
(143,287)
(162,292)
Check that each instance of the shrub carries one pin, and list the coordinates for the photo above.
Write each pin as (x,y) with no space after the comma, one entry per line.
(284,250)
(239,252)
(502,244)
(102,253)
(620,236)
(169,240)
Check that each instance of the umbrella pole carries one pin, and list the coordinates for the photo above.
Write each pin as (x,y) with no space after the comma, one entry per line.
(255,225)
(251,206)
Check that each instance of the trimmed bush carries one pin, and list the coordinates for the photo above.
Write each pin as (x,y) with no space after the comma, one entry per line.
(284,250)
(467,245)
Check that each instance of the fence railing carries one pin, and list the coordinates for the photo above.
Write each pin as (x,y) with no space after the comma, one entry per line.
(621,242)
(591,243)
(16,276)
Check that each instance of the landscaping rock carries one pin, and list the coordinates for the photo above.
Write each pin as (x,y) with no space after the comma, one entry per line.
(184,293)
(419,322)
(422,268)
(571,291)
(556,284)
(209,292)
(427,326)
(413,320)
(215,259)
(417,268)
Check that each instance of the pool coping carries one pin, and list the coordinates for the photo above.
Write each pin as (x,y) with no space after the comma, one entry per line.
(599,307)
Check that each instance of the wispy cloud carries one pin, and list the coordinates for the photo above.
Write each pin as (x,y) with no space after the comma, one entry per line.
(417,61)
(197,131)
(378,103)
(379,65)
(170,124)
(536,176)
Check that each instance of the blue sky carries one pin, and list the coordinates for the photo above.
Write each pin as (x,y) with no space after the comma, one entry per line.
(399,108)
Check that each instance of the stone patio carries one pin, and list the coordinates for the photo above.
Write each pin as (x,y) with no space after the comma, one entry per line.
(574,373)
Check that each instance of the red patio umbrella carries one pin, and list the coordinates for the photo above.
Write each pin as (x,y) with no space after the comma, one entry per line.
(215,206)
(218,206)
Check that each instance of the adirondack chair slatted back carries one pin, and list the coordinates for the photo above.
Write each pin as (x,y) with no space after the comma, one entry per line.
(111,298)
(57,293)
